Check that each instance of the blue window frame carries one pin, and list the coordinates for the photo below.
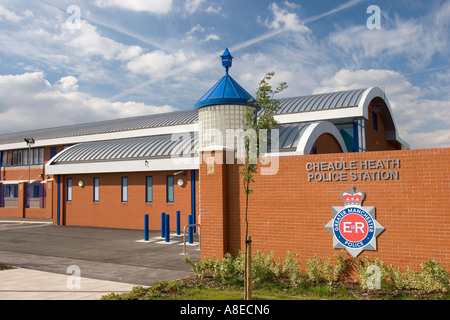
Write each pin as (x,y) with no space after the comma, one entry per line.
(149,189)
(69,189)
(52,152)
(170,189)
(11,191)
(96,189)
(374,121)
(124,189)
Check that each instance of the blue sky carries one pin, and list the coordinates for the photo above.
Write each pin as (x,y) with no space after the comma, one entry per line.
(128,58)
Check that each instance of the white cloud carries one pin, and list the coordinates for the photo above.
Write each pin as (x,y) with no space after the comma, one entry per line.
(417,118)
(11,16)
(193,5)
(156,63)
(414,41)
(153,6)
(214,37)
(88,42)
(47,105)
(285,20)
(215,10)
(67,84)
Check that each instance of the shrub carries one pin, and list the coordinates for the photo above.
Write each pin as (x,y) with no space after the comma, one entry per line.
(431,278)
(323,271)
(267,270)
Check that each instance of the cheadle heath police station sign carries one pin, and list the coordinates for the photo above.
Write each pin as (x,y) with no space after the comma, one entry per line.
(363,170)
(354,227)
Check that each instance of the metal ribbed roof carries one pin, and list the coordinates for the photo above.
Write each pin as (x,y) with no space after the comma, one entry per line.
(156,146)
(334,100)
(128,149)
(325,101)
(291,134)
(134,123)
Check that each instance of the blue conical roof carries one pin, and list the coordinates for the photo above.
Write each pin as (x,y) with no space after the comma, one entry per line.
(226,91)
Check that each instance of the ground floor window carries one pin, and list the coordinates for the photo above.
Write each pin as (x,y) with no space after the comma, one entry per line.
(124,189)
(149,189)
(170,189)
(96,189)
(10,195)
(69,189)
(35,195)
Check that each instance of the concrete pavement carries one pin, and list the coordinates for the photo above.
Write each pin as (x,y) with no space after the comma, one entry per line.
(84,263)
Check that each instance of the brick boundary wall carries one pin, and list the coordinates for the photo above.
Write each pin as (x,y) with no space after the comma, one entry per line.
(289,213)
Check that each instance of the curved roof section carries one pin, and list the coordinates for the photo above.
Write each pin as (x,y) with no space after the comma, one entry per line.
(163,146)
(108,126)
(331,106)
(314,131)
(225,91)
(129,149)
(324,101)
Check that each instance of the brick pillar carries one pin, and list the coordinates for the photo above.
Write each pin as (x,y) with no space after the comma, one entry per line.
(213,202)
(21,199)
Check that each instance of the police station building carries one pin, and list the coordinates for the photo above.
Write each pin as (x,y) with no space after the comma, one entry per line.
(330,148)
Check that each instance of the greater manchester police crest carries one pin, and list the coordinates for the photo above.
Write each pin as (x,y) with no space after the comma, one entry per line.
(354,227)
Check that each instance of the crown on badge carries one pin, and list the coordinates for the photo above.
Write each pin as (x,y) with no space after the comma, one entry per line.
(353,197)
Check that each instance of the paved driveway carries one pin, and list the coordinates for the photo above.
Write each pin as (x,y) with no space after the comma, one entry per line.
(105,254)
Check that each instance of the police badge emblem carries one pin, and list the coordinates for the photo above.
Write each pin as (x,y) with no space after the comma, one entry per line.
(354,227)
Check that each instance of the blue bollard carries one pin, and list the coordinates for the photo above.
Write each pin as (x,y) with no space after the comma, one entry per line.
(178,223)
(191,229)
(167,228)
(163,227)
(146,227)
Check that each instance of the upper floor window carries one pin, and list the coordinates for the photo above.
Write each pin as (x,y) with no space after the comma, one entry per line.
(374,121)
(22,157)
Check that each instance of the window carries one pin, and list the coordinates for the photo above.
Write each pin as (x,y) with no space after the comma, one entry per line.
(11,191)
(25,157)
(96,189)
(374,121)
(69,189)
(14,158)
(149,189)
(11,194)
(35,156)
(52,152)
(170,189)
(124,189)
(5,158)
(35,190)
(22,157)
(19,157)
(41,156)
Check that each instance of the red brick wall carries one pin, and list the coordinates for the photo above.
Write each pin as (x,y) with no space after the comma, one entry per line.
(288,213)
(326,143)
(376,139)
(111,212)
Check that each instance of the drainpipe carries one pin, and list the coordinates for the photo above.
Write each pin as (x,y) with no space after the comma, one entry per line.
(193,195)
(59,202)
